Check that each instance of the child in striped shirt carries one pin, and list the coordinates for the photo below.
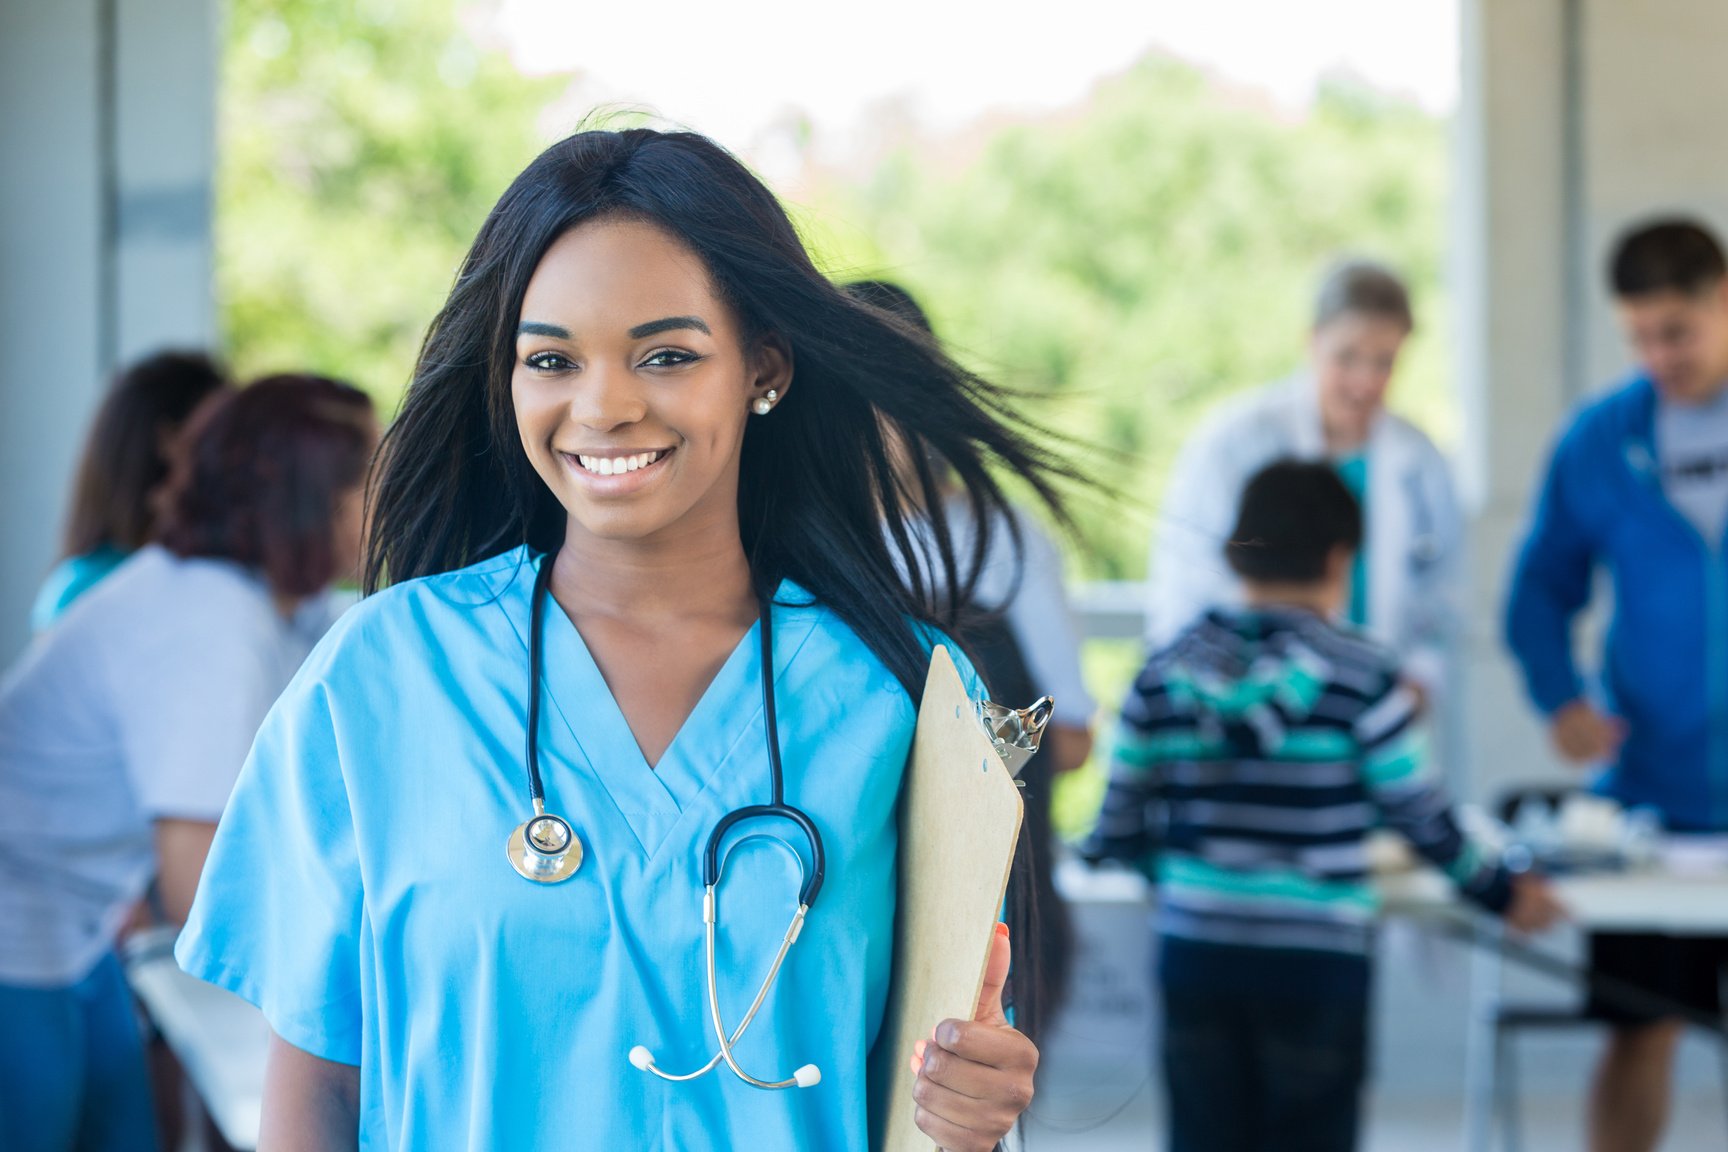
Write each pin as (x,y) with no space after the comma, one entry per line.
(1254,756)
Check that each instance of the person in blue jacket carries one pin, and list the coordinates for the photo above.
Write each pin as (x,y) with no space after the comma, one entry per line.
(1638,485)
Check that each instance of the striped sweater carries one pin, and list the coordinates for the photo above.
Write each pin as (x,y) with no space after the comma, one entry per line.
(1254,756)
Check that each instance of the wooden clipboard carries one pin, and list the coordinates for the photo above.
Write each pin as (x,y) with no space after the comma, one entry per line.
(960,816)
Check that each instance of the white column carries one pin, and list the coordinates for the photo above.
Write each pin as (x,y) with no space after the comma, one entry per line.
(1655,134)
(1510,301)
(107,113)
(53,319)
(165,162)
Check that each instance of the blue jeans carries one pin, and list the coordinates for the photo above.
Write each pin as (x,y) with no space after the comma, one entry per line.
(1269,1073)
(72,1073)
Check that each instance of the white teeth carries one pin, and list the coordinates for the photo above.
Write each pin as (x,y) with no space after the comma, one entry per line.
(617,465)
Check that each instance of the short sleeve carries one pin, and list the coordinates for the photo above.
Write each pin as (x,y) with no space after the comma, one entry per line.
(1044,625)
(187,713)
(278,912)
(55,596)
(932,638)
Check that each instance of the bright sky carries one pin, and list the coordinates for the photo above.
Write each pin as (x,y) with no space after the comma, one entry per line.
(742,70)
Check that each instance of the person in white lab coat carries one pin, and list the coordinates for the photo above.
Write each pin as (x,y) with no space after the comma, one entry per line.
(1407,583)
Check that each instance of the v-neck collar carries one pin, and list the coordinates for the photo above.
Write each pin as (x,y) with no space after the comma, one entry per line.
(726,721)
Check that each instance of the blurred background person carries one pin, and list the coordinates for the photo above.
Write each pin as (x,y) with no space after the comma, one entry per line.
(118,488)
(1405,585)
(1638,485)
(1255,755)
(1021,633)
(123,728)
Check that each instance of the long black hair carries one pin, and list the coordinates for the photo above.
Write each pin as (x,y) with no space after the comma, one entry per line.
(817,484)
(126,457)
(819,499)
(1041,922)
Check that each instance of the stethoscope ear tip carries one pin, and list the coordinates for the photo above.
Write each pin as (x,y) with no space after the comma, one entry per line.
(641,1058)
(808,1076)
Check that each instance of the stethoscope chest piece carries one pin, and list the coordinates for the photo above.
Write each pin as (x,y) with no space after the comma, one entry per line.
(545,849)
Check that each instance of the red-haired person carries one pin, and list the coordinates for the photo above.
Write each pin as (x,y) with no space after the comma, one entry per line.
(123,472)
(123,727)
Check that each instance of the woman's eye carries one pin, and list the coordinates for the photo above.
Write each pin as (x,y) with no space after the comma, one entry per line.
(669,358)
(548,362)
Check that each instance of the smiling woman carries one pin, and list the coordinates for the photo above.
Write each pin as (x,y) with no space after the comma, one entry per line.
(645,627)
(632,385)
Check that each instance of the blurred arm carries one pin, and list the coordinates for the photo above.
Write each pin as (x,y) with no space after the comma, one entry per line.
(181,847)
(1044,629)
(1550,586)
(310,1104)
(1396,771)
(1066,747)
(1186,572)
(1128,826)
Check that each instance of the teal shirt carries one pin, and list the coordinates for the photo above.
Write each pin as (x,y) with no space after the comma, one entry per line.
(358,890)
(1353,470)
(70,579)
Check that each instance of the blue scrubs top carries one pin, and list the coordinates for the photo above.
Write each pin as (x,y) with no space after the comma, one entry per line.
(358,890)
(69,580)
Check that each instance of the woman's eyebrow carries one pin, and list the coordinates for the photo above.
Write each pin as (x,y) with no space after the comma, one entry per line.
(535,328)
(655,327)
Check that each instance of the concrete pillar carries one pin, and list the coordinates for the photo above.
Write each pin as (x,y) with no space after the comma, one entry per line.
(1655,129)
(107,113)
(54,326)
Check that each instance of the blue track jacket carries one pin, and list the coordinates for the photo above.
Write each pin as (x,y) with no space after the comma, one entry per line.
(1666,666)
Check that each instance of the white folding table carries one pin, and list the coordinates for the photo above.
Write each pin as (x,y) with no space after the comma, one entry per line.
(219,1039)
(1690,903)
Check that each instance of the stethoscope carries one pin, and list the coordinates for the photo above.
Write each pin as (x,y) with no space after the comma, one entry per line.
(546,849)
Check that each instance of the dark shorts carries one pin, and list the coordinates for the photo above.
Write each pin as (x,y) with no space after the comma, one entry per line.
(1687,970)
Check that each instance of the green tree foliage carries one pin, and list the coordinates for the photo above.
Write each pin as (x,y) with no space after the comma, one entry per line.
(1142,256)
(361,145)
(1128,262)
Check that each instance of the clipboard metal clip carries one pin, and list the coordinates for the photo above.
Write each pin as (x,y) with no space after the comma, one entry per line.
(1015,732)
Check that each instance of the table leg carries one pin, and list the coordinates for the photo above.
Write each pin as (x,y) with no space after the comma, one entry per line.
(1481,1048)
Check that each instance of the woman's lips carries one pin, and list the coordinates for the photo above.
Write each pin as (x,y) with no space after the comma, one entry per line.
(614,470)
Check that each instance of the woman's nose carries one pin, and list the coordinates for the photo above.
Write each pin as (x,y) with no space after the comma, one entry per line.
(608,397)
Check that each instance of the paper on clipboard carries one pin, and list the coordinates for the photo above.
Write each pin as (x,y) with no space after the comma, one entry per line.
(959,821)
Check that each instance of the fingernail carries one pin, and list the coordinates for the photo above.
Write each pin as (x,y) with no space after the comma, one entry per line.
(1002,929)
(948,1035)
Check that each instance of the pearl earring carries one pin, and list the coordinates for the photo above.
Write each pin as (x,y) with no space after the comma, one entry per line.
(765,404)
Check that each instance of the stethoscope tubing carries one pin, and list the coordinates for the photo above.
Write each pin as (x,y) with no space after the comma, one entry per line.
(777,808)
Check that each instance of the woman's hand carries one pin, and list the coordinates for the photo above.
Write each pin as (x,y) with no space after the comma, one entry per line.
(975,1078)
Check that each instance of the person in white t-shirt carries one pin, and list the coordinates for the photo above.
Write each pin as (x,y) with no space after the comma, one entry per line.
(1020,631)
(122,730)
